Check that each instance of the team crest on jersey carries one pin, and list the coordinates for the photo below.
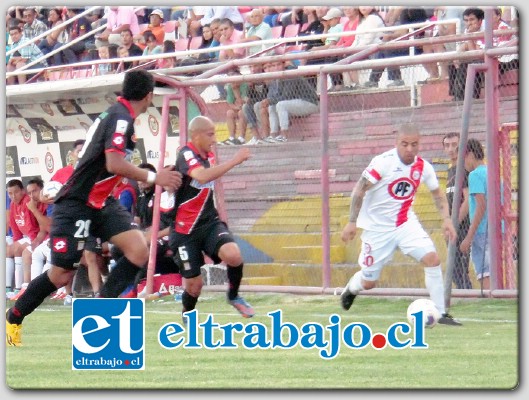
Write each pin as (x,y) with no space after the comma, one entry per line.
(118,140)
(121,126)
(402,189)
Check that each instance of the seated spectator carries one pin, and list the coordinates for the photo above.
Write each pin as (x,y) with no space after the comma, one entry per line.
(152,46)
(155,27)
(23,56)
(105,53)
(473,19)
(118,19)
(314,27)
(207,40)
(507,62)
(258,30)
(405,16)
(33,27)
(128,43)
(229,36)
(194,16)
(169,62)
(286,98)
(220,12)
(79,27)
(236,95)
(257,92)
(55,38)
(369,19)
(126,194)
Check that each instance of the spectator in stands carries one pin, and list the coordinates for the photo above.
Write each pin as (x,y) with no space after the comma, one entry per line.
(23,56)
(169,62)
(155,27)
(126,194)
(235,121)
(194,15)
(207,40)
(229,36)
(331,23)
(509,61)
(257,92)
(404,16)
(57,37)
(152,45)
(295,16)
(215,42)
(118,19)
(104,53)
(286,98)
(477,240)
(315,25)
(369,19)
(33,27)
(134,50)
(221,12)
(473,18)
(258,30)
(79,27)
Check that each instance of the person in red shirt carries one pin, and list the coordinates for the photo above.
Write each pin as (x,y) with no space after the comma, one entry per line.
(25,228)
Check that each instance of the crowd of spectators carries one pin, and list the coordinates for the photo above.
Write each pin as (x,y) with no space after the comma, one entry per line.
(126,31)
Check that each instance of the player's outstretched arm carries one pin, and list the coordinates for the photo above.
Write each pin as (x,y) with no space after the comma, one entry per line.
(357,199)
(116,164)
(205,175)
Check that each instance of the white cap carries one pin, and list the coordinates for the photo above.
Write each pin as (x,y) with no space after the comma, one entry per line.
(332,13)
(157,12)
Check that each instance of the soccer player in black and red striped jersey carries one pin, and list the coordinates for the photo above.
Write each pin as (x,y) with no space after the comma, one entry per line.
(197,227)
(85,207)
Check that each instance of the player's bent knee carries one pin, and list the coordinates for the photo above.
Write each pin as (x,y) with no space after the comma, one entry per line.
(193,286)
(231,254)
(431,260)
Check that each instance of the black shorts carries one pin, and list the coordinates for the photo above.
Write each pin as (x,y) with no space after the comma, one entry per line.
(74,224)
(189,248)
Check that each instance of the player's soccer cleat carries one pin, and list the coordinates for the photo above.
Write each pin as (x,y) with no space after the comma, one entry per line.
(242,306)
(13,334)
(347,299)
(447,319)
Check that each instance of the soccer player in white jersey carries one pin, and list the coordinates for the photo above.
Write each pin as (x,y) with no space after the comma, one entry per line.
(381,204)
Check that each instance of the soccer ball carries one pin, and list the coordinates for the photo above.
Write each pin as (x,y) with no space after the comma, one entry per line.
(431,314)
(51,189)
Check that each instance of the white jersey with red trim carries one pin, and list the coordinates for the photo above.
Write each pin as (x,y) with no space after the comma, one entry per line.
(388,204)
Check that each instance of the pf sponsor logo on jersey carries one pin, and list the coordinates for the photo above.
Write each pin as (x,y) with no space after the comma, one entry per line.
(108,334)
(118,140)
(402,189)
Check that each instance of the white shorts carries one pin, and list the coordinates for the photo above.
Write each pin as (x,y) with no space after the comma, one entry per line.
(378,247)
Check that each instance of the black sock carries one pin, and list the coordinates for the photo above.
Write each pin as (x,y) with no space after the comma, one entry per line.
(234,281)
(36,292)
(189,302)
(121,276)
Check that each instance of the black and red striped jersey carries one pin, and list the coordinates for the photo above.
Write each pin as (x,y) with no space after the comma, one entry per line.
(112,131)
(194,203)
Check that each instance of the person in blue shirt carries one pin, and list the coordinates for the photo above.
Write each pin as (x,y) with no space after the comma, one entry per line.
(477,240)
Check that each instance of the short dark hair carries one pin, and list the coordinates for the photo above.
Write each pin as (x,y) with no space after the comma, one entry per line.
(450,135)
(474,146)
(36,181)
(137,84)
(78,142)
(15,182)
(148,166)
(477,12)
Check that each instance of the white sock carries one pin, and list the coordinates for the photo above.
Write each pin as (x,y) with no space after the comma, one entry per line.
(19,273)
(10,272)
(433,277)
(355,283)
